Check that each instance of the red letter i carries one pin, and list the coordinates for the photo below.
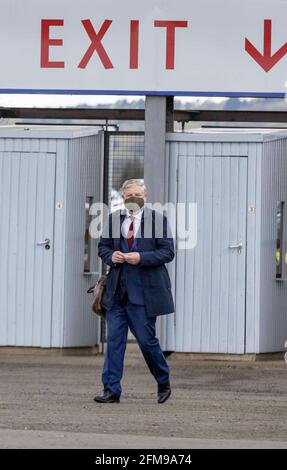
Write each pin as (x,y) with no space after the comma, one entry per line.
(134,43)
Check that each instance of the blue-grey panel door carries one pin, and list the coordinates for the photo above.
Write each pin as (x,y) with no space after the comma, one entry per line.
(210,280)
(27,191)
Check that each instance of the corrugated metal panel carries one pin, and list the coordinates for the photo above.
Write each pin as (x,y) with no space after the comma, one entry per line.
(34,309)
(27,145)
(266,301)
(27,209)
(84,178)
(58,301)
(253,252)
(165,324)
(214,322)
(273,294)
(211,296)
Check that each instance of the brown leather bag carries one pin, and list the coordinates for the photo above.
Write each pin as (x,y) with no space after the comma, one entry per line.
(97,292)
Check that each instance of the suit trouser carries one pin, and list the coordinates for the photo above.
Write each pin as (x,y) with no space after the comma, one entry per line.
(119,317)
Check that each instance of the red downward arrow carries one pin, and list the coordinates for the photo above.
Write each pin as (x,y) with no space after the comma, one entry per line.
(266,60)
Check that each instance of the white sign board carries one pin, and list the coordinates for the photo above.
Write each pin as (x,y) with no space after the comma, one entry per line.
(185,47)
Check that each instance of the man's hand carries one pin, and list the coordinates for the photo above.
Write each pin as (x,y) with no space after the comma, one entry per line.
(118,257)
(133,257)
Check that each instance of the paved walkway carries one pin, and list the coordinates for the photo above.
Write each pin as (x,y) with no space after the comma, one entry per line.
(11,439)
(47,401)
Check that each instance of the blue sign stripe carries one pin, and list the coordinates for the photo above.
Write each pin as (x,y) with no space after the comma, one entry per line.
(235,94)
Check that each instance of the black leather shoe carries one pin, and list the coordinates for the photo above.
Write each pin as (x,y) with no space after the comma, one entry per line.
(107,397)
(163,392)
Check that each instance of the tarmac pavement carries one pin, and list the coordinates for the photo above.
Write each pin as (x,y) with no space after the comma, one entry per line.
(46,401)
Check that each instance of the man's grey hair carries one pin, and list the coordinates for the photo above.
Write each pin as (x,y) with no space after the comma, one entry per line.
(133,182)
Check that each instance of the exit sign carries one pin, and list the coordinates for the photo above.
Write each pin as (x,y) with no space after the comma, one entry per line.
(150,47)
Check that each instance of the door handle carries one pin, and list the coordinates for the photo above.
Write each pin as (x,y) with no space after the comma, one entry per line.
(45,243)
(237,246)
(47,240)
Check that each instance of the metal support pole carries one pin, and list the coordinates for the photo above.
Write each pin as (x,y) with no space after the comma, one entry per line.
(159,119)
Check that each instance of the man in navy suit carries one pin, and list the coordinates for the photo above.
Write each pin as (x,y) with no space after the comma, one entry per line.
(136,246)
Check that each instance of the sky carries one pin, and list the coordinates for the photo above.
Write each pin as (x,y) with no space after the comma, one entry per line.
(53,101)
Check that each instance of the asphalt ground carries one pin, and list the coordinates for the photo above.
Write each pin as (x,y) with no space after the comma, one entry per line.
(46,401)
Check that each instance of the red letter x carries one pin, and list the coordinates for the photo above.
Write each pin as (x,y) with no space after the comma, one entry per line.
(170,38)
(96,44)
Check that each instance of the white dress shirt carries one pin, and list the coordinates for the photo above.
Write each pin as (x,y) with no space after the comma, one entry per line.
(127,221)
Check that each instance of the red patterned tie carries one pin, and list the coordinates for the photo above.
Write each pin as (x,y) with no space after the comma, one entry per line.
(131,232)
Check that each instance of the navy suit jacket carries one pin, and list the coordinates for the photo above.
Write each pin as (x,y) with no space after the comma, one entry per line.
(155,250)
